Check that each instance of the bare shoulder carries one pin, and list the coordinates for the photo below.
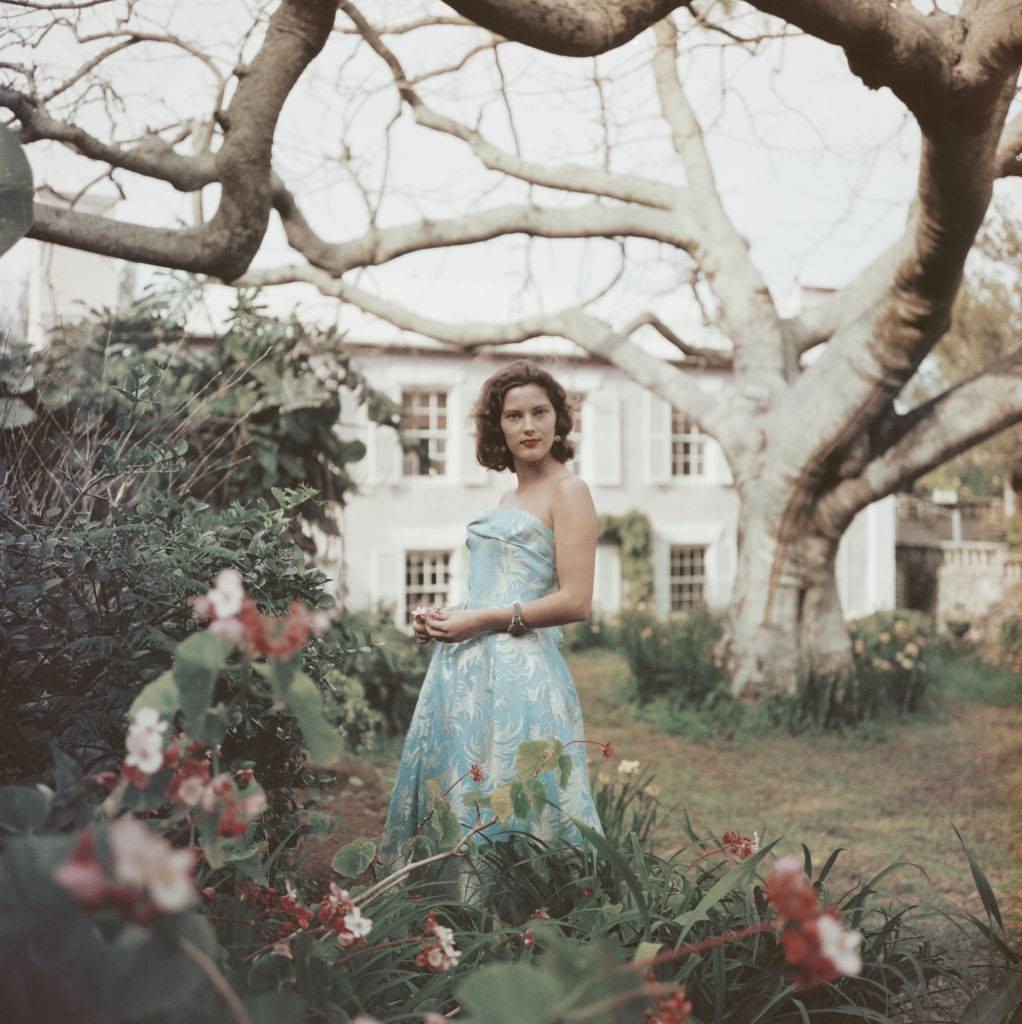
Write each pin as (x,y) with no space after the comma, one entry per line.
(572,490)
(573,502)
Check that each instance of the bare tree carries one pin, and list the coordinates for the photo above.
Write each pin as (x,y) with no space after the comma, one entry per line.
(810,441)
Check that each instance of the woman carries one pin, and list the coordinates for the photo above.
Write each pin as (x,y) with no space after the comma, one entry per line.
(497,676)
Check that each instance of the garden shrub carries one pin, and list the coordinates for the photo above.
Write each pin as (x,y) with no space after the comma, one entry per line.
(674,655)
(598,631)
(99,917)
(1010,638)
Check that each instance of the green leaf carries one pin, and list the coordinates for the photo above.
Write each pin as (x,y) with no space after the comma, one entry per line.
(352,859)
(565,766)
(474,798)
(321,738)
(986,893)
(537,793)
(509,994)
(161,694)
(530,755)
(501,803)
(22,809)
(199,660)
(520,802)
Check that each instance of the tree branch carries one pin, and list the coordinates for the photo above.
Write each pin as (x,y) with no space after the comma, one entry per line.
(565,177)
(708,356)
(380,245)
(748,314)
(587,331)
(927,437)
(225,245)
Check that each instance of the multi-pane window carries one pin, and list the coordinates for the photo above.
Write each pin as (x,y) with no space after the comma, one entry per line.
(688,446)
(424,421)
(687,577)
(575,400)
(427,580)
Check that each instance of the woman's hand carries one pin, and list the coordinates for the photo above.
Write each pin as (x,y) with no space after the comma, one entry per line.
(452,625)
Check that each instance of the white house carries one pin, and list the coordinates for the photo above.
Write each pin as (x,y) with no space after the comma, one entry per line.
(403,537)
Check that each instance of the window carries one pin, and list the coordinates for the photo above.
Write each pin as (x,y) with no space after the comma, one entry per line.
(688,577)
(688,446)
(424,420)
(575,400)
(427,580)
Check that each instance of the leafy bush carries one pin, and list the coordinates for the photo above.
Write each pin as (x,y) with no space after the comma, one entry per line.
(102,925)
(1011,643)
(596,631)
(674,655)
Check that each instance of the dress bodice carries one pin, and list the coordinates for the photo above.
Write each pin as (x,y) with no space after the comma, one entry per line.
(511,558)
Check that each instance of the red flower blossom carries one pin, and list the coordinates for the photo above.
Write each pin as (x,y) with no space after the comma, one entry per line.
(789,891)
(528,939)
(244,776)
(587,890)
(477,772)
(740,846)
(541,913)
(135,776)
(608,749)
(106,780)
(672,1008)
(188,783)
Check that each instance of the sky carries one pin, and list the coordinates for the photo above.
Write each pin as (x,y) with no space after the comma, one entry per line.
(815,169)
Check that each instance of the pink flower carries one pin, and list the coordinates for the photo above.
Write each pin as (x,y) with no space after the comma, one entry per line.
(188,783)
(147,862)
(673,1008)
(528,939)
(82,875)
(477,771)
(608,749)
(441,954)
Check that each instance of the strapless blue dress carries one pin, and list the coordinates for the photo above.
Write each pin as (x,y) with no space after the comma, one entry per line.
(483,696)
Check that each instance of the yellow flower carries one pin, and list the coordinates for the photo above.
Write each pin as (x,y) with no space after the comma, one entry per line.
(646,633)
(652,789)
(881,663)
(603,778)
(628,767)
(859,646)
(902,629)
(911,649)
(884,637)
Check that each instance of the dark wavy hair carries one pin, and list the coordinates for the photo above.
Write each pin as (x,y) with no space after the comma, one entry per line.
(491,451)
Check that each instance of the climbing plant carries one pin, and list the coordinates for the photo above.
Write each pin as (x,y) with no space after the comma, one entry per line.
(632,530)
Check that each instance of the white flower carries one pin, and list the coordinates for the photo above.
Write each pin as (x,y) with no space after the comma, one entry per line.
(148,862)
(355,923)
(144,741)
(628,767)
(839,945)
(191,790)
(227,594)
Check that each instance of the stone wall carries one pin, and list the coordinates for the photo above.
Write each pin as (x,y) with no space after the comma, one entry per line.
(979,583)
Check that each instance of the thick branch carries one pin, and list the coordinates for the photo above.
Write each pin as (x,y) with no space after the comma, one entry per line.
(380,245)
(926,438)
(153,157)
(225,245)
(749,317)
(587,331)
(870,359)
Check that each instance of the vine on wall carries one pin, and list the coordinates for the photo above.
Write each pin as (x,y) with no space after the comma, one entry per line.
(633,532)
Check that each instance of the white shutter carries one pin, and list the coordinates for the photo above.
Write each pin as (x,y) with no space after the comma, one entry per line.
(601,435)
(718,471)
(658,435)
(386,581)
(607,582)
(384,449)
(459,573)
(661,572)
(471,471)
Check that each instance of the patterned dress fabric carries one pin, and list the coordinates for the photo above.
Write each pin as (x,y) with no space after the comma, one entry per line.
(485,695)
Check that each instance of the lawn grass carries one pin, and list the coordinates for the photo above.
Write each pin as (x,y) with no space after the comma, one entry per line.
(882,800)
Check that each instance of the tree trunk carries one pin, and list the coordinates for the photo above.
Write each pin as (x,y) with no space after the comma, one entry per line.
(785,619)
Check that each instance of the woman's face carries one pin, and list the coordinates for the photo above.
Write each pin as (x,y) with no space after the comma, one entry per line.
(528,421)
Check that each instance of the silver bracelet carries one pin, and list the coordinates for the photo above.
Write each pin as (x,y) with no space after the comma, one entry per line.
(517,626)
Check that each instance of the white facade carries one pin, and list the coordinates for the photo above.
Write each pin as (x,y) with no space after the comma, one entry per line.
(404,535)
